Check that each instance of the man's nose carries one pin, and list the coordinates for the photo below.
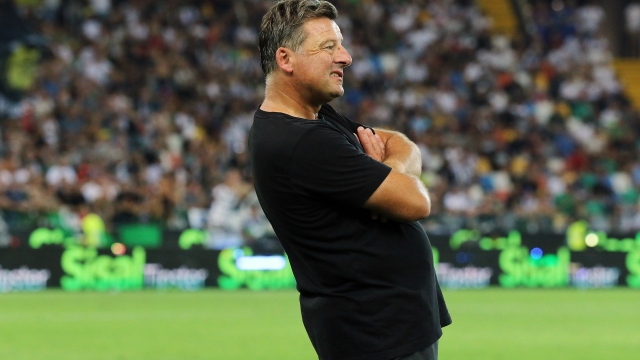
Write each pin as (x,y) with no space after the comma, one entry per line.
(343,57)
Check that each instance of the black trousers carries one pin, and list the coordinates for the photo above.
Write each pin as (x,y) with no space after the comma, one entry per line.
(430,353)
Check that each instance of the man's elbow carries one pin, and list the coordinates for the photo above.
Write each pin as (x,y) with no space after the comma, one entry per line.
(426,210)
(422,205)
(417,212)
(423,210)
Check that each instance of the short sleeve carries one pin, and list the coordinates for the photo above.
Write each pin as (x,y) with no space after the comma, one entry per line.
(326,164)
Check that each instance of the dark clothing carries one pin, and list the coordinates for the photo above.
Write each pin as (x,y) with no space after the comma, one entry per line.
(430,353)
(368,290)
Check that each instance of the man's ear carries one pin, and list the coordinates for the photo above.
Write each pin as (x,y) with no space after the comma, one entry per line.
(285,59)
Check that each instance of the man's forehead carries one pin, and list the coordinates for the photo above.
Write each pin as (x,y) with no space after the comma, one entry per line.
(322,28)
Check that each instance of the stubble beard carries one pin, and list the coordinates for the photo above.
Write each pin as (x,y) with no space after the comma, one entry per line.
(336,91)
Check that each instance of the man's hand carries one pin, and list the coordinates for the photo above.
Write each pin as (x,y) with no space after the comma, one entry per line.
(372,144)
(375,148)
(401,196)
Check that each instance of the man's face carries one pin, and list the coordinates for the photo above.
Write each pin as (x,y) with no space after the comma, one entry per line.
(321,61)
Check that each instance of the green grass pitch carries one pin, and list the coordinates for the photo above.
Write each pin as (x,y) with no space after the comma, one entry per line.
(488,324)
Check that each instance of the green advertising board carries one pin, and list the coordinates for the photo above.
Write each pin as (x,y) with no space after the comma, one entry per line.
(466,259)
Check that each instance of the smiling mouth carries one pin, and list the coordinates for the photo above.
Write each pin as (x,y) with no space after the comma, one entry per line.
(336,74)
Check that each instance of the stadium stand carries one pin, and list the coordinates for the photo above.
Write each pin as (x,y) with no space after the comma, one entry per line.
(138,111)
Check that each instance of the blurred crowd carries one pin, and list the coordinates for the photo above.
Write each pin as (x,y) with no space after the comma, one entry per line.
(141,113)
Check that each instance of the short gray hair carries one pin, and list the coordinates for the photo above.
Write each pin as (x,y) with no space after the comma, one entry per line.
(282,26)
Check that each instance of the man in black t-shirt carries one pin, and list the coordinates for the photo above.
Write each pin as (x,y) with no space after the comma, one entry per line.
(343,199)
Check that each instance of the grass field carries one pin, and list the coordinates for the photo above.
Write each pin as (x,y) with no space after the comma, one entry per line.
(489,324)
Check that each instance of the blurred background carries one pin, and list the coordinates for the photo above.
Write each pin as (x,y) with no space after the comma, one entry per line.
(138,111)
(123,140)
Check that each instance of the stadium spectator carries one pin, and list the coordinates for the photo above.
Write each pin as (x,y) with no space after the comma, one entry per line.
(632,27)
(225,216)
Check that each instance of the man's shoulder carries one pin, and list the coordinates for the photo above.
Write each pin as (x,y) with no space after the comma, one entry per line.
(282,135)
(281,124)
(280,120)
(330,114)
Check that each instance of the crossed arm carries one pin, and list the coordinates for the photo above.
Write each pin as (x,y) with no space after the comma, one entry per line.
(401,196)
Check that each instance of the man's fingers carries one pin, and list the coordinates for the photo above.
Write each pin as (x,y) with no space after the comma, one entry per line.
(379,140)
(372,146)
(365,140)
(376,140)
(382,145)
(364,137)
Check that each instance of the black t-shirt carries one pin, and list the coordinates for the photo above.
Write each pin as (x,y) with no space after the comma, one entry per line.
(368,289)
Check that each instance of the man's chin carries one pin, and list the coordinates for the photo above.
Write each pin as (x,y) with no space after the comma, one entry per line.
(337,93)
(330,96)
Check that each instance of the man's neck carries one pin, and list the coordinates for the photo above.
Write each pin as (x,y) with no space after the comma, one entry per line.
(278,98)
